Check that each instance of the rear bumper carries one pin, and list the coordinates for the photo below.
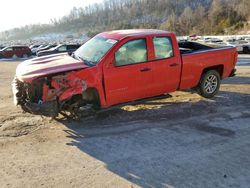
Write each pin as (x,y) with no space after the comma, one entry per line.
(233,73)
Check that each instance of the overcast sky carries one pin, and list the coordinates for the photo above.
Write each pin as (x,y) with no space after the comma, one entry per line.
(15,13)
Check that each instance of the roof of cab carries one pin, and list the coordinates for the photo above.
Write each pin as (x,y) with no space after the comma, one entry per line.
(120,34)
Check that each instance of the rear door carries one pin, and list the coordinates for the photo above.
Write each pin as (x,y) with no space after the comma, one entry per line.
(166,65)
(130,75)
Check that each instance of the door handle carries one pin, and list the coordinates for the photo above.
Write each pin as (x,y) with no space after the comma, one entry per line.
(145,69)
(173,64)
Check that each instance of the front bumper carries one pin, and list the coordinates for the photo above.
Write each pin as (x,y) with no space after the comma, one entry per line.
(21,98)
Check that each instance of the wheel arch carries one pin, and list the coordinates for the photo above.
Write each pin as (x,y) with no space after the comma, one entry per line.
(91,95)
(218,68)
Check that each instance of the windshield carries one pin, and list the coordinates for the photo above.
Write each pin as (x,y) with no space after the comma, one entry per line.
(94,49)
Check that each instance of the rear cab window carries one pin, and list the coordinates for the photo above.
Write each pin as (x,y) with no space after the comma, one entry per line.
(163,48)
(132,52)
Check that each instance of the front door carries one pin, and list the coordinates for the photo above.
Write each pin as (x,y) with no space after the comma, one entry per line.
(131,74)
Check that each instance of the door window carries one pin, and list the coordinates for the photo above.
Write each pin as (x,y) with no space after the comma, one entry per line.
(9,49)
(62,49)
(17,48)
(163,47)
(132,52)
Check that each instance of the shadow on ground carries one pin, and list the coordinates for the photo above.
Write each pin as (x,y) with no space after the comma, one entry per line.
(157,147)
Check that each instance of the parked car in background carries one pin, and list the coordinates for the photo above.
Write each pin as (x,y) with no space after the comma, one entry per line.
(246,49)
(62,48)
(46,48)
(35,49)
(34,46)
(247,39)
(237,43)
(216,40)
(15,52)
(206,40)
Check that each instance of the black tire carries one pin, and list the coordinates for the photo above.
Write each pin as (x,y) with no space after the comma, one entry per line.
(209,84)
(246,50)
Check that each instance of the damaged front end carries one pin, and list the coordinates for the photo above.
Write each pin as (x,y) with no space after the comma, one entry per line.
(50,95)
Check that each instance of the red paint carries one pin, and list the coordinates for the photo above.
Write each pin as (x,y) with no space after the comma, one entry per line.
(18,51)
(194,64)
(127,83)
(42,66)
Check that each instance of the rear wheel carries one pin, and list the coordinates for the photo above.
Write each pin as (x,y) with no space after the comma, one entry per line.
(209,84)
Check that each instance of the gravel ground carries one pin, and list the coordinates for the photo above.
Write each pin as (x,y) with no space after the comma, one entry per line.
(180,141)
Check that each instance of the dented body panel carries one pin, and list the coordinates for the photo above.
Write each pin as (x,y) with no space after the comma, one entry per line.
(53,84)
(42,66)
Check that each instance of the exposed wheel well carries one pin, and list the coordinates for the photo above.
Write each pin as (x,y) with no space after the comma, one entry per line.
(91,95)
(218,68)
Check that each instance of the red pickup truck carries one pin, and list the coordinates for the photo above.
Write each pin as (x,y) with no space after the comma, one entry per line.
(118,67)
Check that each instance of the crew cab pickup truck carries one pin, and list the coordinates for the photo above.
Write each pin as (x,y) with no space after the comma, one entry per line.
(118,67)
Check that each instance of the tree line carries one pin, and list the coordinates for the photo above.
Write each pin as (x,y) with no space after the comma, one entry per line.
(184,17)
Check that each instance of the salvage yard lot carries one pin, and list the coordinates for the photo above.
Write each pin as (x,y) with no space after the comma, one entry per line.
(180,141)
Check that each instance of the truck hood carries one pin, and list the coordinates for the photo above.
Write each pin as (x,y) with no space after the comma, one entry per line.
(42,66)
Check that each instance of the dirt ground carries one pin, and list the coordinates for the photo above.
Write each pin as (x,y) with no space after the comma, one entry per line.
(180,141)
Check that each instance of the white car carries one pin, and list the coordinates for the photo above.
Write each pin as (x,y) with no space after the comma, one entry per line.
(237,43)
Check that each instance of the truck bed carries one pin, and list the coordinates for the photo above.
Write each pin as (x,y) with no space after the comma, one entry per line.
(191,47)
(196,57)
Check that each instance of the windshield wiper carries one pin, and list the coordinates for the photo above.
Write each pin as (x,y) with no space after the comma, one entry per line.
(89,63)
